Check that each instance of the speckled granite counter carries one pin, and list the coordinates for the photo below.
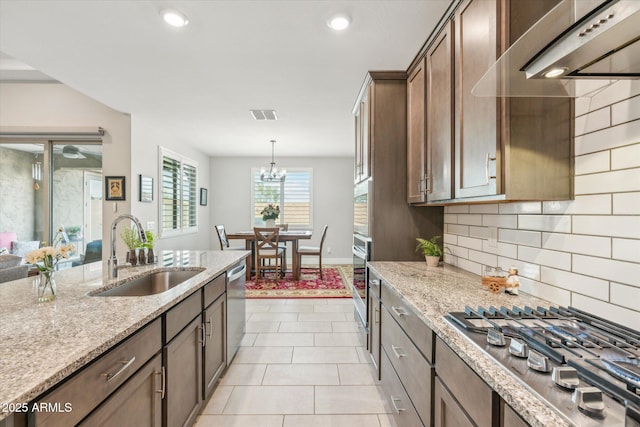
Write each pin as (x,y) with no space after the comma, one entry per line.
(43,343)
(433,292)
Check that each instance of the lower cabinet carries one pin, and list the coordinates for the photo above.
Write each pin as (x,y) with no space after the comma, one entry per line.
(214,352)
(404,414)
(447,412)
(510,418)
(374,322)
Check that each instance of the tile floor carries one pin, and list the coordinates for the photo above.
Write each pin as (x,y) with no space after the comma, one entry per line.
(300,364)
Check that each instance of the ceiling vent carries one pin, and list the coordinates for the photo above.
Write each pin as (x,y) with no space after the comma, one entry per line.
(264,114)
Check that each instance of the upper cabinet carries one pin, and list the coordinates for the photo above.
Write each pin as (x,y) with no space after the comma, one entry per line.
(416,135)
(362,157)
(486,148)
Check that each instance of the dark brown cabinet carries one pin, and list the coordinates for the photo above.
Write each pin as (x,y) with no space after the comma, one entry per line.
(447,412)
(362,149)
(416,135)
(214,356)
(374,321)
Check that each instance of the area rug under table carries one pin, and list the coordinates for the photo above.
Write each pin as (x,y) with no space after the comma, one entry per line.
(334,284)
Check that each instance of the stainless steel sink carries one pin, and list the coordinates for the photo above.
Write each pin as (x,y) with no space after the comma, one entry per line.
(150,284)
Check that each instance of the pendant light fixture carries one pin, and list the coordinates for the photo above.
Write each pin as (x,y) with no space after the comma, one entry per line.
(274,174)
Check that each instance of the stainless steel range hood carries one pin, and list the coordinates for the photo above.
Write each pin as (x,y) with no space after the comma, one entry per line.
(588,44)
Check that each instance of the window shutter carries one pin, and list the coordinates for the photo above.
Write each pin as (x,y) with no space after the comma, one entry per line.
(293,196)
(170,193)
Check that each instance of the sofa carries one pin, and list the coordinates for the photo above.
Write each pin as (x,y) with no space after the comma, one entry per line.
(11,269)
(9,243)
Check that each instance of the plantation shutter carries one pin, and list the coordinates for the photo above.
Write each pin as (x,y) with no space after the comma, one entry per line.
(293,195)
(189,196)
(178,205)
(170,193)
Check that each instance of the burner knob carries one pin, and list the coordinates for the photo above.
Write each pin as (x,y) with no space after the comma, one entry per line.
(565,377)
(495,337)
(518,348)
(538,362)
(589,401)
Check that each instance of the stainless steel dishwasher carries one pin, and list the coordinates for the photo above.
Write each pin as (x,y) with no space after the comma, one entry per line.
(235,308)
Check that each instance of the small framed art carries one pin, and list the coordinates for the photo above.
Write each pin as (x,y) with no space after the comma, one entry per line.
(203,197)
(146,189)
(114,187)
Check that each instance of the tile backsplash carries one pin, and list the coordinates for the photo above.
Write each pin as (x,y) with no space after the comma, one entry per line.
(583,252)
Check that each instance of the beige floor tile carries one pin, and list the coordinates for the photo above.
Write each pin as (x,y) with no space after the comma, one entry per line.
(340,301)
(291,308)
(257,308)
(348,400)
(331,420)
(244,374)
(337,339)
(386,420)
(305,327)
(264,355)
(312,301)
(248,340)
(325,355)
(254,327)
(273,317)
(344,326)
(322,317)
(239,421)
(360,374)
(218,400)
(363,355)
(270,400)
(284,339)
(301,374)
(260,301)
(334,308)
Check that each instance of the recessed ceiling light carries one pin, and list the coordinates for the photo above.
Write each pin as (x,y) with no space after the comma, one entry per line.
(338,22)
(555,72)
(174,18)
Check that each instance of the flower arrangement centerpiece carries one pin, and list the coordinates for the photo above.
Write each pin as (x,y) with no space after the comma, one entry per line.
(45,260)
(270,214)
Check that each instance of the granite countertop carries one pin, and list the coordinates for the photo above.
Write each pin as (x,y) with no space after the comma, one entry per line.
(43,343)
(433,292)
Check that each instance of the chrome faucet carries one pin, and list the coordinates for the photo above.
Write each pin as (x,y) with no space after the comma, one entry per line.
(113,260)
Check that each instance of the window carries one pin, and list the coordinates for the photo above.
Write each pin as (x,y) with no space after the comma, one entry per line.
(178,207)
(293,196)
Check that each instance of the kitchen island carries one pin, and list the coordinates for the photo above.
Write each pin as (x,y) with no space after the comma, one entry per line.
(430,293)
(42,344)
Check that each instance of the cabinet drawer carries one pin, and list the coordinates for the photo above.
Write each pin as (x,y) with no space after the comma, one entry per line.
(415,373)
(180,315)
(400,405)
(90,386)
(214,289)
(465,385)
(510,418)
(447,411)
(420,333)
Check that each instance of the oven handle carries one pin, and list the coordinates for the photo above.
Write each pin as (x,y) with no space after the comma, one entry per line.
(359,253)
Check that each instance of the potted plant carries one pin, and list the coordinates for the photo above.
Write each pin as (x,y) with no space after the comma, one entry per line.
(149,246)
(430,249)
(270,214)
(130,238)
(73,231)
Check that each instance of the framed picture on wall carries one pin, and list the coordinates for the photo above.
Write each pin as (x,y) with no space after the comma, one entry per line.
(203,197)
(146,189)
(114,187)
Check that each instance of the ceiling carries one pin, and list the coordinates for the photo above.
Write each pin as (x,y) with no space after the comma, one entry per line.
(197,84)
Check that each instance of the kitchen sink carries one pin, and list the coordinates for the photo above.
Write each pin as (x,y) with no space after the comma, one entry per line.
(150,284)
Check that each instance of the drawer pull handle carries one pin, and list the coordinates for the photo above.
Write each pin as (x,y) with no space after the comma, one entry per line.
(126,364)
(376,315)
(203,330)
(395,405)
(374,282)
(163,378)
(210,334)
(396,351)
(399,311)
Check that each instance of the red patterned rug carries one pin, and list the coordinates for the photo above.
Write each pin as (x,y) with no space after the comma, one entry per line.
(334,284)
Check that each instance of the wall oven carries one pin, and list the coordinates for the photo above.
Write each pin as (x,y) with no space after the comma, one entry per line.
(361,254)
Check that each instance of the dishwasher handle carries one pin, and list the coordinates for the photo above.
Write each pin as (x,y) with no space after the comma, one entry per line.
(237,272)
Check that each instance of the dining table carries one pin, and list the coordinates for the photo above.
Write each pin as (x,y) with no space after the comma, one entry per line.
(292,236)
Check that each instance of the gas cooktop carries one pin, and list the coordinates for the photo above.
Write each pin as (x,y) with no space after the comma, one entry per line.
(584,366)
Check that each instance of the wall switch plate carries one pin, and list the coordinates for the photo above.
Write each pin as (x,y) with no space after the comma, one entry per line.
(151,225)
(493,237)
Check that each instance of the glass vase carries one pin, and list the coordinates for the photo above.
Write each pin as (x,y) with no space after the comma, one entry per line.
(47,286)
(142,259)
(132,258)
(150,256)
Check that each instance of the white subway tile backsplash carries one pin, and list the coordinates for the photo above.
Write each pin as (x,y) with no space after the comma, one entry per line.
(586,245)
(592,204)
(450,218)
(544,291)
(544,257)
(471,266)
(590,163)
(502,249)
(483,258)
(596,288)
(625,111)
(626,157)
(457,251)
(520,237)
(612,225)
(461,230)
(620,90)
(612,312)
(505,221)
(470,243)
(479,232)
(451,239)
(593,121)
(626,250)
(463,209)
(520,208)
(608,182)
(525,269)
(556,223)
(470,219)
(483,209)
(626,296)
(606,139)
(626,204)
(608,269)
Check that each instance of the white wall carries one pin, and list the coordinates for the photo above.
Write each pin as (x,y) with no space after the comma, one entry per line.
(583,252)
(230,198)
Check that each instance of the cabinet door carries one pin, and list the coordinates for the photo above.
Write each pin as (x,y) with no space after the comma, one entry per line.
(374,331)
(440,117)
(476,118)
(447,412)
(137,403)
(357,160)
(416,138)
(183,362)
(365,118)
(214,347)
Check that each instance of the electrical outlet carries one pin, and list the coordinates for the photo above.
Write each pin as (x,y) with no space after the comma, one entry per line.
(151,225)
(493,237)
(328,250)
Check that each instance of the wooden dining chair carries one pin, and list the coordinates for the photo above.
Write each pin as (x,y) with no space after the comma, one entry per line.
(222,238)
(268,249)
(313,251)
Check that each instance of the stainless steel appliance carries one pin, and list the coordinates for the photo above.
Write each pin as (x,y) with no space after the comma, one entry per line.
(361,254)
(584,366)
(361,207)
(236,298)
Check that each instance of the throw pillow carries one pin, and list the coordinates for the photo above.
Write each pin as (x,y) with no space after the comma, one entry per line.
(23,248)
(8,261)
